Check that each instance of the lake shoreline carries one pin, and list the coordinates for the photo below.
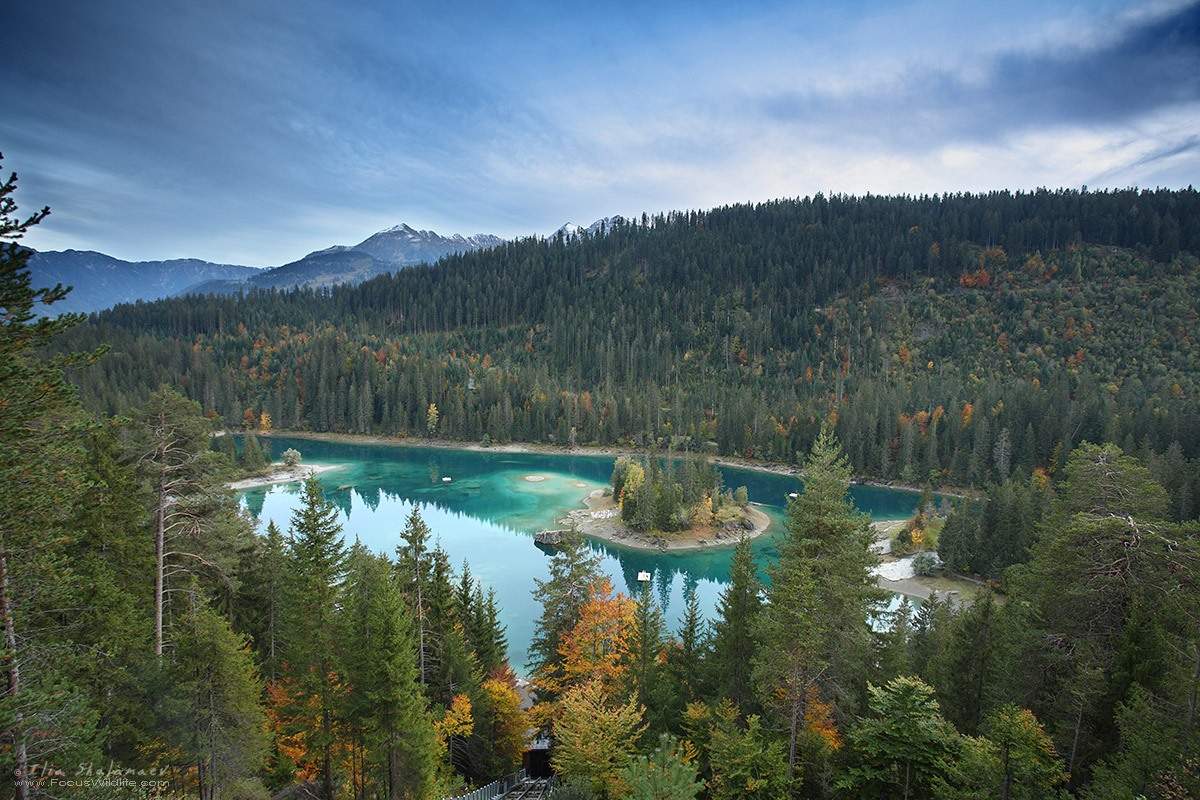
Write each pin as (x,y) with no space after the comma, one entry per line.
(598,520)
(281,473)
(615,452)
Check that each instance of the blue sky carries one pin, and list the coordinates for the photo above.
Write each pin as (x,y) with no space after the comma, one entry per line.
(255,131)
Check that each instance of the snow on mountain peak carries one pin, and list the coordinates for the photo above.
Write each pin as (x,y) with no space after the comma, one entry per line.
(601,226)
(402,244)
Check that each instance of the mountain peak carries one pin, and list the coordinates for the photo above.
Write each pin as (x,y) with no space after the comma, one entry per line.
(601,226)
(404,245)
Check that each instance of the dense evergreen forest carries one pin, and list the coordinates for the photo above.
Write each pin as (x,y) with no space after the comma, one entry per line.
(1038,347)
(956,340)
(960,339)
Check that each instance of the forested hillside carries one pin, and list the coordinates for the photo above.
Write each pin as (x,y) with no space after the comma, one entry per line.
(960,339)
(157,644)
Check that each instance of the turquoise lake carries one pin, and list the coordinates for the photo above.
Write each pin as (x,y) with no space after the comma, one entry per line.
(488,512)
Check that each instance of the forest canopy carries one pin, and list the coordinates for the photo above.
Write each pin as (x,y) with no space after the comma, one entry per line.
(955,338)
(1039,347)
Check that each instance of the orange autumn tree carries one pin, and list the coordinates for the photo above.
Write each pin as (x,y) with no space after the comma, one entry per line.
(597,647)
(819,718)
(294,718)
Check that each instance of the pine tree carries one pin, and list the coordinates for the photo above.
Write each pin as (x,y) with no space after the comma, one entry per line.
(647,674)
(687,661)
(39,458)
(170,441)
(317,564)
(227,447)
(384,697)
(736,629)
(252,454)
(816,627)
(112,557)
(905,748)
(480,616)
(974,659)
(212,712)
(649,633)
(664,774)
(415,568)
(1114,589)
(262,597)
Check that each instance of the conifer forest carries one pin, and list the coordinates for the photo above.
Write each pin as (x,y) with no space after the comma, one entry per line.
(1033,356)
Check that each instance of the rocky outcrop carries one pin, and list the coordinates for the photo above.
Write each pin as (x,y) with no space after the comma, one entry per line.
(550,538)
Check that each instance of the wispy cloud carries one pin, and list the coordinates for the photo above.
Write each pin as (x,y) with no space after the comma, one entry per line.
(255,131)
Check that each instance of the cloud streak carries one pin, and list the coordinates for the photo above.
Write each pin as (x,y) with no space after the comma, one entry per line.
(255,131)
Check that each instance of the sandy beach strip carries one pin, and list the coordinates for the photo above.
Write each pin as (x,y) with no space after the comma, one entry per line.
(283,474)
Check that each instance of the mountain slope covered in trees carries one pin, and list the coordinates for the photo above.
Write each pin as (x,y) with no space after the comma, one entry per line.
(961,337)
(155,642)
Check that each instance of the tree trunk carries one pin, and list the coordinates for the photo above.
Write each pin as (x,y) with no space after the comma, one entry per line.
(21,773)
(799,712)
(420,625)
(393,769)
(327,756)
(159,541)
(271,623)
(1191,712)
(1007,774)
(1075,742)
(211,756)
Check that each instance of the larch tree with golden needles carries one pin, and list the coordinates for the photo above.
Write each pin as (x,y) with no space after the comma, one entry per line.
(596,738)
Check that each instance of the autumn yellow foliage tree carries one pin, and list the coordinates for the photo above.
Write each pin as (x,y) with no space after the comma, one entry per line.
(596,649)
(508,722)
(596,738)
(459,721)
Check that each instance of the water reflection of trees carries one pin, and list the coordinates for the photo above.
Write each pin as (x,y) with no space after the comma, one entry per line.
(386,480)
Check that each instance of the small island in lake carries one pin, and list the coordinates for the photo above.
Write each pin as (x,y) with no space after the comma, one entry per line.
(661,505)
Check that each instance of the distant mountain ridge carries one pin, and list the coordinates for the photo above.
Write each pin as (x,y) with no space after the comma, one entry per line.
(386,251)
(401,244)
(102,281)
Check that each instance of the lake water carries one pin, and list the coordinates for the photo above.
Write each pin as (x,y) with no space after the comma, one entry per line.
(488,512)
